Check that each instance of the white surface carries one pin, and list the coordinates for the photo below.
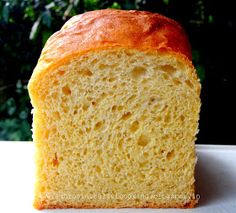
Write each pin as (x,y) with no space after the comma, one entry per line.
(216,181)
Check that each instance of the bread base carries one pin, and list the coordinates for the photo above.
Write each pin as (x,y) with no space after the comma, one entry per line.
(41,205)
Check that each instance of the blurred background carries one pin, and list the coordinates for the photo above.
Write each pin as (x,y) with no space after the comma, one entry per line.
(25,26)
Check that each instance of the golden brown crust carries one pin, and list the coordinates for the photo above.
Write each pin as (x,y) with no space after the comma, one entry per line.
(137,29)
(42,205)
(111,28)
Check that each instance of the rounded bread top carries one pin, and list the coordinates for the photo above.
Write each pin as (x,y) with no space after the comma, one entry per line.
(109,28)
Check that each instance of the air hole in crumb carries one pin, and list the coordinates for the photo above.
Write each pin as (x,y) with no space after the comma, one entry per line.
(142,176)
(46,134)
(188,82)
(111,79)
(120,144)
(61,72)
(75,110)
(112,66)
(170,155)
(137,72)
(129,139)
(54,129)
(126,115)
(88,129)
(113,108)
(145,81)
(66,90)
(165,108)
(99,152)
(64,100)
(85,151)
(98,169)
(182,117)
(134,126)
(151,100)
(55,83)
(98,125)
(167,118)
(119,108)
(165,137)
(145,154)
(168,69)
(42,189)
(65,109)
(114,87)
(176,81)
(43,96)
(131,98)
(85,107)
(103,95)
(158,118)
(117,169)
(94,61)
(103,66)
(85,72)
(55,161)
(165,76)
(143,117)
(162,151)
(180,65)
(143,140)
(54,95)
(56,115)
(143,164)
(94,103)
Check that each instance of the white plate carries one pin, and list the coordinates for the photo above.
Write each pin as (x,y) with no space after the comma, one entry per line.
(216,181)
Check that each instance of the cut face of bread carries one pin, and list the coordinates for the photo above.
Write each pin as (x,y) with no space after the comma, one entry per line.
(116,128)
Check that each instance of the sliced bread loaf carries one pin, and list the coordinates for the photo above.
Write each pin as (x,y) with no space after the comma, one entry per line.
(116,108)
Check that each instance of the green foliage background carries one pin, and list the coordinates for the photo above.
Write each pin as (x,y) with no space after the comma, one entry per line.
(25,26)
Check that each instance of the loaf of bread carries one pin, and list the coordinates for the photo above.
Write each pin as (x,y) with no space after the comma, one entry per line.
(116,108)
